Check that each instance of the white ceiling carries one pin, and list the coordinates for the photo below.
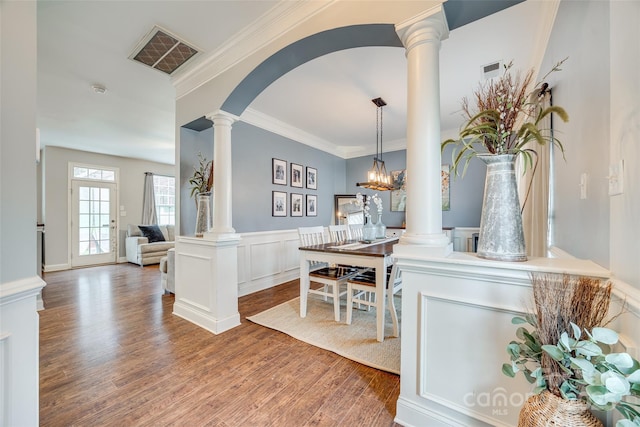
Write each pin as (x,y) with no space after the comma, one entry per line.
(88,42)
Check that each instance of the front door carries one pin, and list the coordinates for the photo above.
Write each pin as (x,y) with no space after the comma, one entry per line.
(93,223)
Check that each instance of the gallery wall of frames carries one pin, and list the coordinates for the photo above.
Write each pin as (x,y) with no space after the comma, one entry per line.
(293,203)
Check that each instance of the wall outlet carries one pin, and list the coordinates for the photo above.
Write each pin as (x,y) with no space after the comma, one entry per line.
(616,178)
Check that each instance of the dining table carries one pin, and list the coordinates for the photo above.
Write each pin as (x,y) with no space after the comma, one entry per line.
(376,254)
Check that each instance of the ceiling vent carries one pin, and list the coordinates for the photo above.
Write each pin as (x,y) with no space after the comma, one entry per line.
(492,70)
(163,51)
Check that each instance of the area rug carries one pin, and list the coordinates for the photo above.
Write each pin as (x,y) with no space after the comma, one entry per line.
(356,341)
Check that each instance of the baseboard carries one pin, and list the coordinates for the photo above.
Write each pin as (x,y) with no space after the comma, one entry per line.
(247,288)
(48,268)
(122,260)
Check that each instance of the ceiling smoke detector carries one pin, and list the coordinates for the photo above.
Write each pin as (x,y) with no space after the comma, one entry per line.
(98,88)
(163,51)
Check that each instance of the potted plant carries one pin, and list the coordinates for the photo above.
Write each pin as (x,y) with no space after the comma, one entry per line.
(573,367)
(505,117)
(201,185)
(202,179)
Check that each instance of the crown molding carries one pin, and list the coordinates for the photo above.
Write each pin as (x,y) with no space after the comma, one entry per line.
(268,123)
(279,20)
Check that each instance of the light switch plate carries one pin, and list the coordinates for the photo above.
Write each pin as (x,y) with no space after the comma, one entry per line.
(616,178)
(583,186)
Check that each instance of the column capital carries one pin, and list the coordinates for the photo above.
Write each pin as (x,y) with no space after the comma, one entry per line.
(428,27)
(220,117)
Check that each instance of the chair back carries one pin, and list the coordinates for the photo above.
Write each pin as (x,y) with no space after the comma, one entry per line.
(356,231)
(339,233)
(311,235)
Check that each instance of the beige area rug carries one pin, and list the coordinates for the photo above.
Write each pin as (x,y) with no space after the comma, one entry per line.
(356,341)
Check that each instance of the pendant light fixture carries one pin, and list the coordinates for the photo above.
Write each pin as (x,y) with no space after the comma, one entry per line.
(377,177)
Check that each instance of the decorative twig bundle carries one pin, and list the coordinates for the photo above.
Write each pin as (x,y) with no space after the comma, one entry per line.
(560,301)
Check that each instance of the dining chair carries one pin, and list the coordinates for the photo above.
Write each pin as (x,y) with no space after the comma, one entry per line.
(339,233)
(356,231)
(361,286)
(333,277)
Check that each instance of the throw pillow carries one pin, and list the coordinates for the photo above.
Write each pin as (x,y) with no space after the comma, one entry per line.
(152,232)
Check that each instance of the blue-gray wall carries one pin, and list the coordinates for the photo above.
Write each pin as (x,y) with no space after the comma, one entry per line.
(465,193)
(252,152)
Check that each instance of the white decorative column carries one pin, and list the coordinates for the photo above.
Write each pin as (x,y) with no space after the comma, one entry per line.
(206,275)
(421,37)
(222,212)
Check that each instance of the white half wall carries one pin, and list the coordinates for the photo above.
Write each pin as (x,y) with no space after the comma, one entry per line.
(456,324)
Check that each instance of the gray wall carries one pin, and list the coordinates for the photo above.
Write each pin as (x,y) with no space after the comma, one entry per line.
(55,214)
(17,142)
(582,88)
(465,193)
(191,143)
(252,152)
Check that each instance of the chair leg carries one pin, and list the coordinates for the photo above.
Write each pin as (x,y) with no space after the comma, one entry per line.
(336,301)
(349,304)
(392,309)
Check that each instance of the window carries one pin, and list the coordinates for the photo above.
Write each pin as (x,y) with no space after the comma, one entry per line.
(93,173)
(165,195)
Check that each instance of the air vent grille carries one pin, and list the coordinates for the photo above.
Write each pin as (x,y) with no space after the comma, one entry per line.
(163,51)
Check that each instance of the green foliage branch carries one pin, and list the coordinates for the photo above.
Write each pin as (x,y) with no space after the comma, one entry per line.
(505,117)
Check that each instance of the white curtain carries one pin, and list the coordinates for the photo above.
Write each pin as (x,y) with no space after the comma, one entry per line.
(149,201)
(533,190)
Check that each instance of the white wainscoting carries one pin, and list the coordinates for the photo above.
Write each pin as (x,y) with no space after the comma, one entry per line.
(456,324)
(266,259)
(19,328)
(463,238)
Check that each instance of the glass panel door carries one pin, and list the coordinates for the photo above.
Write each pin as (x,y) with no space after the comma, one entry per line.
(93,227)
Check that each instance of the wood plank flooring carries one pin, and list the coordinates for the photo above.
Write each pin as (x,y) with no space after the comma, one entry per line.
(111,353)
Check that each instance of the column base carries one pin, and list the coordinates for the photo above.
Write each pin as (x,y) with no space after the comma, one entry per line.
(206,281)
(424,244)
(205,319)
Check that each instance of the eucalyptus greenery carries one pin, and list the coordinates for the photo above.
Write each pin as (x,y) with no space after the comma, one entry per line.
(591,372)
(504,118)
(202,179)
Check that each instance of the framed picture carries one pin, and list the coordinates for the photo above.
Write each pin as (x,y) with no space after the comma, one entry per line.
(279,203)
(296,175)
(346,212)
(399,194)
(279,172)
(297,204)
(312,205)
(312,178)
(445,175)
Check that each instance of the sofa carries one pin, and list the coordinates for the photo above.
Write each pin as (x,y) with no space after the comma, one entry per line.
(167,272)
(140,250)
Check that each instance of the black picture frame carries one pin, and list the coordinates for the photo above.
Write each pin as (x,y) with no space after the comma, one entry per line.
(279,171)
(296,175)
(312,178)
(312,205)
(278,203)
(297,204)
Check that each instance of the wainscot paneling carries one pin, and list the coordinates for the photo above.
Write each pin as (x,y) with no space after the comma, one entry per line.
(456,324)
(266,259)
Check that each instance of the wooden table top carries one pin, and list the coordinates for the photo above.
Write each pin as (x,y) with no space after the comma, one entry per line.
(381,249)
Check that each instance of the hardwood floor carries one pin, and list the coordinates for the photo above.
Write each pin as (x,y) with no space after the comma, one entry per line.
(111,353)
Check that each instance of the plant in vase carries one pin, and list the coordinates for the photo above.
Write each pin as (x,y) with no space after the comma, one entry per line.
(572,366)
(504,122)
(368,229)
(201,184)
(381,229)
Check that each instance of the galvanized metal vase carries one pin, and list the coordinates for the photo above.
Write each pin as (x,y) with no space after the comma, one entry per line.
(501,234)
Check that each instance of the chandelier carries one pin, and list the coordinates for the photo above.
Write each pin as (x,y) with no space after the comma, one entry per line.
(377,177)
